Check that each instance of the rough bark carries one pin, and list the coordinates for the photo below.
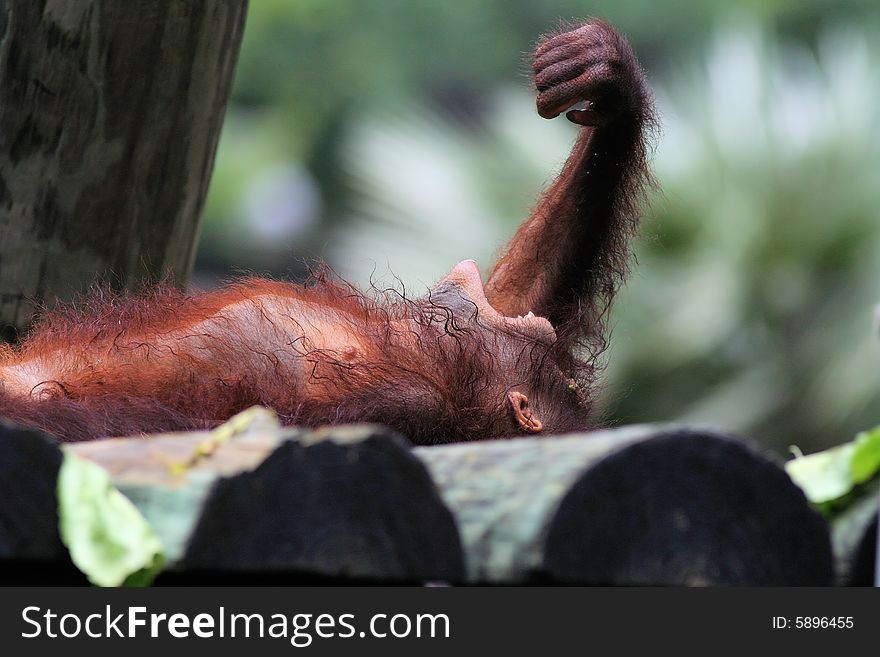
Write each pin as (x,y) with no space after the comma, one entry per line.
(110,113)
(638,506)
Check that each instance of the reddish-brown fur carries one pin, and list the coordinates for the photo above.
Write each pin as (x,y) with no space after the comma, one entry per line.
(439,368)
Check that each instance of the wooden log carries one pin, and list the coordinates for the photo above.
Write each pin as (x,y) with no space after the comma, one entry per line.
(110,113)
(29,464)
(644,505)
(854,539)
(338,502)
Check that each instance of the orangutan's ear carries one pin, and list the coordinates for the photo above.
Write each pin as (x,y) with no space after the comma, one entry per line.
(523,414)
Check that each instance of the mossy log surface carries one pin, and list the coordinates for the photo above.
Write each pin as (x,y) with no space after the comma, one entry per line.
(652,505)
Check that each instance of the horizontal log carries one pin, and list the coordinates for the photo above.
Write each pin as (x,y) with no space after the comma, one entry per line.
(643,505)
(252,497)
(854,539)
(29,464)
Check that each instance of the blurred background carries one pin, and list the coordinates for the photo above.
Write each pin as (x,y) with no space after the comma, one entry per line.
(394,138)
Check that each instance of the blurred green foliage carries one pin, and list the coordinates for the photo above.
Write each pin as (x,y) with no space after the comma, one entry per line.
(400,136)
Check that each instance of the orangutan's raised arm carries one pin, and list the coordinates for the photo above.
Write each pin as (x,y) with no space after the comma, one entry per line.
(567,259)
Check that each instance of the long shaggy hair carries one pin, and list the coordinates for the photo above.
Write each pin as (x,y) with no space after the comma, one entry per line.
(428,369)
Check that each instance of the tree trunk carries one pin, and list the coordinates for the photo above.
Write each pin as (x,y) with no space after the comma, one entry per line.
(110,113)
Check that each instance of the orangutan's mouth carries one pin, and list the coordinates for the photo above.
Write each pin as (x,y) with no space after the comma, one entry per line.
(466,275)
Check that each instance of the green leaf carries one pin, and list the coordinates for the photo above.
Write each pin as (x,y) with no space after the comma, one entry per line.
(866,458)
(829,476)
(107,537)
(824,476)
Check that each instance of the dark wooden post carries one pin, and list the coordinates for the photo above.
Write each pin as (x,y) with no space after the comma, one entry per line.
(110,113)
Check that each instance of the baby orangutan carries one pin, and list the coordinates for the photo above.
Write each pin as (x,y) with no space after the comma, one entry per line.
(462,362)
